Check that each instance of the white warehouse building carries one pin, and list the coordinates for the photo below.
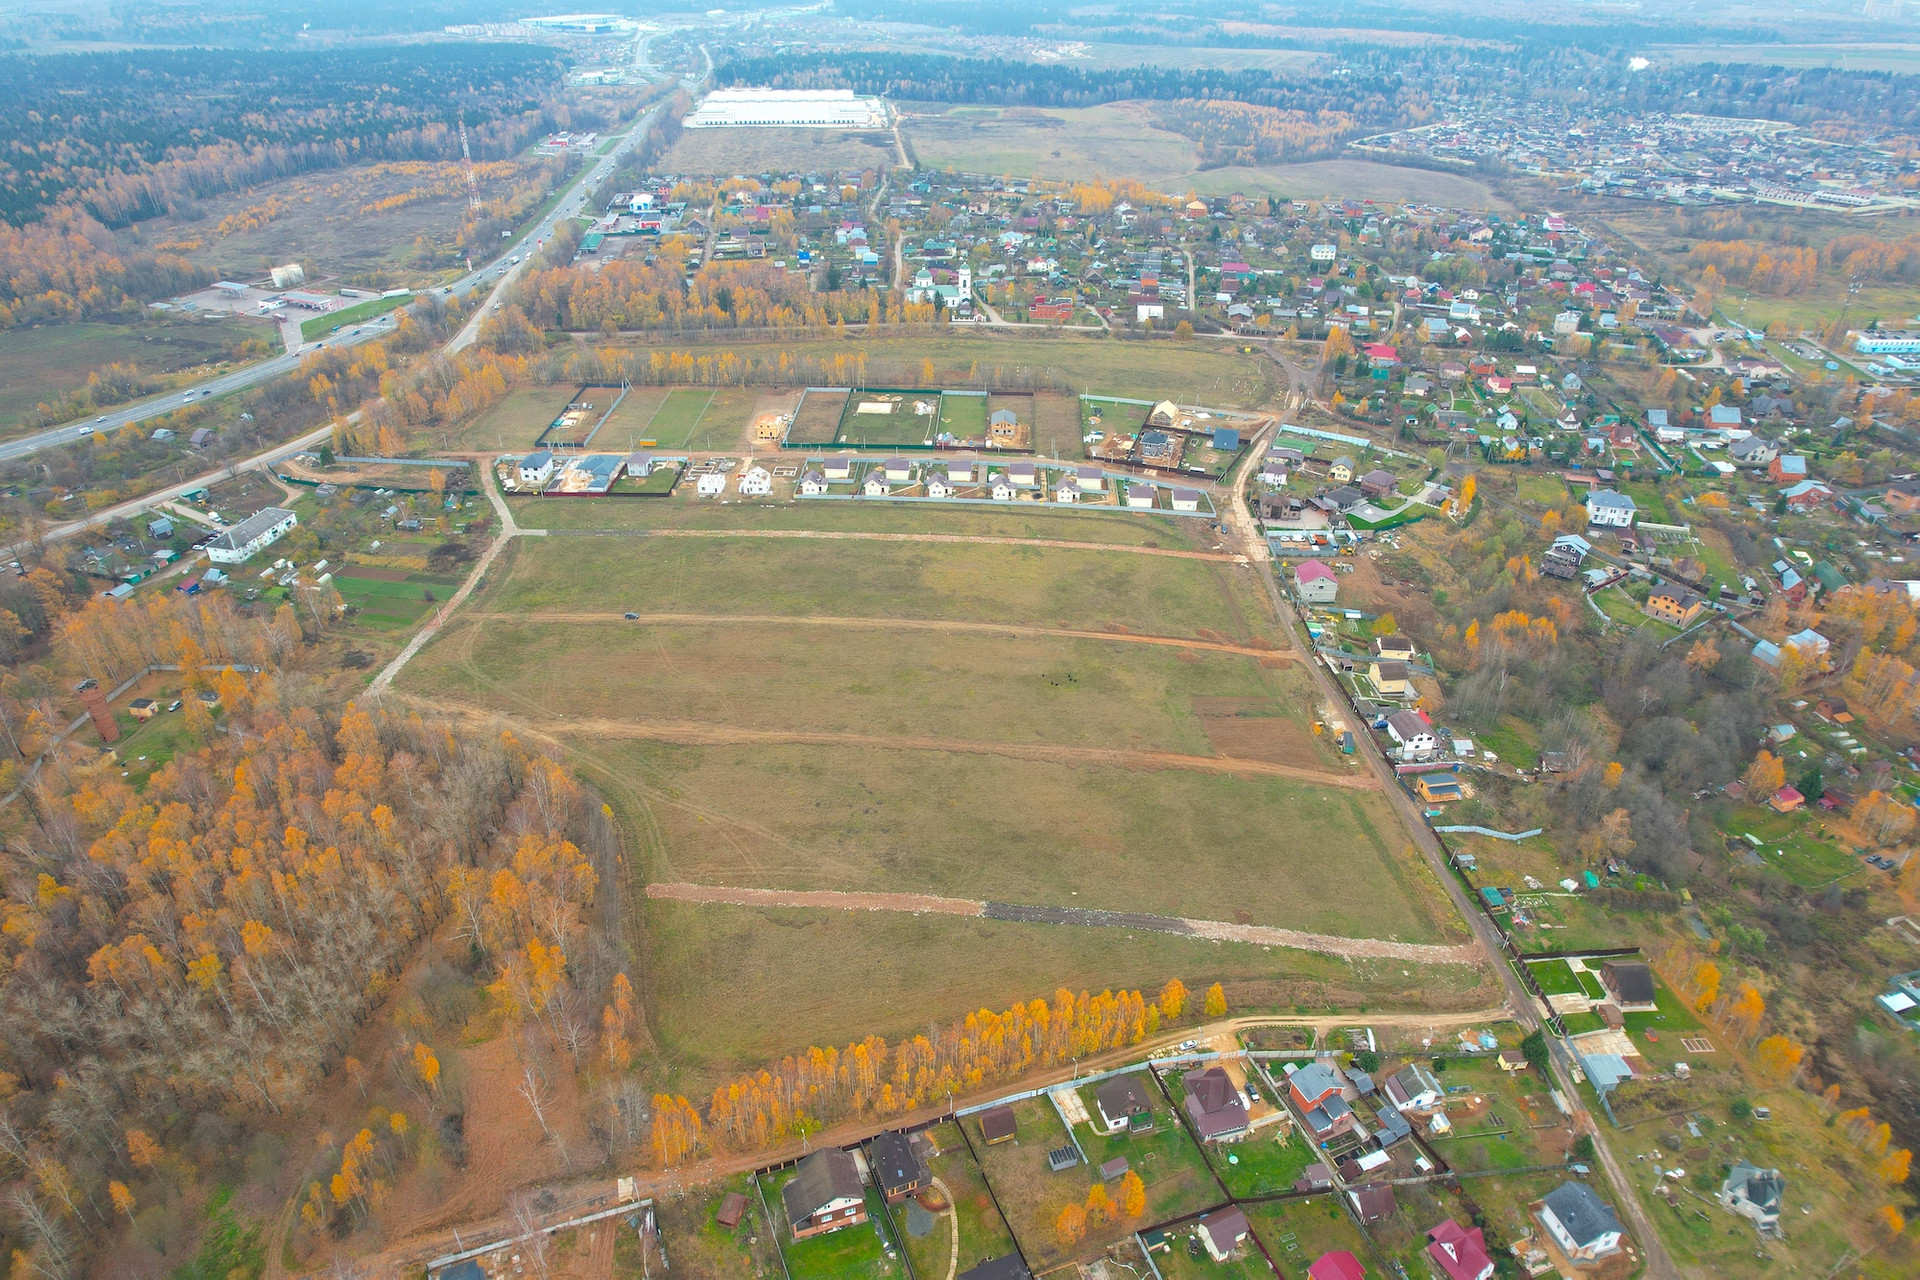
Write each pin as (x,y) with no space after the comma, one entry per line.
(788,108)
(251,536)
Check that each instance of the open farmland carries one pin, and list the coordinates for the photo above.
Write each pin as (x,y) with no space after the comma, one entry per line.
(42,363)
(1056,732)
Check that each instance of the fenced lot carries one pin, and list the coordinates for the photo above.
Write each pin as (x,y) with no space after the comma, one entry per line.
(983,1234)
(1168,1162)
(878,418)
(1031,1193)
(963,416)
(817,420)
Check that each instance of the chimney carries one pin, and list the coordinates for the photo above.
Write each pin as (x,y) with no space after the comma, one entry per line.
(96,704)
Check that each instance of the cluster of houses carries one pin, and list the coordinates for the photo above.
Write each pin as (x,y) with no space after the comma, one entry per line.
(587,475)
(973,479)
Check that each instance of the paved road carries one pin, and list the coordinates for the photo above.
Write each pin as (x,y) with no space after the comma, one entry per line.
(1236,519)
(489,277)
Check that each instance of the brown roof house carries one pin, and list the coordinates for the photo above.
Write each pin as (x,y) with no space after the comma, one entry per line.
(1214,1105)
(824,1195)
(1223,1231)
(1630,983)
(1674,605)
(997,1125)
(897,1167)
(1373,1201)
(1123,1104)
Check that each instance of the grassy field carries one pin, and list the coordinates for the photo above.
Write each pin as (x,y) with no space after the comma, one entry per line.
(964,416)
(394,606)
(852,1253)
(700,1247)
(1220,376)
(1296,1232)
(41,362)
(1018,817)
(1052,523)
(1031,1193)
(1792,844)
(701,420)
(347,317)
(1058,143)
(728,151)
(904,425)
(1066,587)
(516,422)
(983,1233)
(1269,1161)
(866,680)
(1352,179)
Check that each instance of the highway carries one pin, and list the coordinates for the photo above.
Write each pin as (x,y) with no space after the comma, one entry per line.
(490,279)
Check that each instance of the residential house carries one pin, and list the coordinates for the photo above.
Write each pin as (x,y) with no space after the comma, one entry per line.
(1123,1103)
(1580,1222)
(1067,490)
(1414,733)
(938,487)
(251,536)
(839,467)
(1004,490)
(1723,416)
(711,485)
(812,484)
(1630,983)
(1223,1231)
(897,1167)
(1396,647)
(1214,1105)
(1812,645)
(1674,604)
(1904,496)
(1390,679)
(1372,1201)
(875,485)
(1460,1253)
(1806,495)
(1512,1060)
(1342,469)
(997,1125)
(1610,510)
(1090,479)
(1754,1194)
(1414,1088)
(160,529)
(1752,451)
(1337,1265)
(1140,497)
(824,1195)
(535,469)
(1438,788)
(1314,1178)
(756,482)
(898,470)
(1786,800)
(1186,499)
(1313,1084)
(1787,468)
(1315,583)
(1377,483)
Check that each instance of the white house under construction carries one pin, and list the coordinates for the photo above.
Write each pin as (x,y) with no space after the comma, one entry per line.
(748,108)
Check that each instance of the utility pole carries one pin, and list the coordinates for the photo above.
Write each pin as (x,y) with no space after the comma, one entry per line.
(473,181)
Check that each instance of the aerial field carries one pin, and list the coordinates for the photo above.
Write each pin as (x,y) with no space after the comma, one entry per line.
(723,152)
(1354,179)
(1058,143)
(952,723)
(1064,587)
(44,362)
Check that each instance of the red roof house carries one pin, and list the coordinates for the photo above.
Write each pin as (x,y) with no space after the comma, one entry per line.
(1786,800)
(1462,1254)
(1338,1265)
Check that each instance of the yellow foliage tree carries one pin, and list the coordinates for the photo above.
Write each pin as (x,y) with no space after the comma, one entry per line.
(1893,1168)
(1173,999)
(1777,1057)
(1216,1001)
(1071,1225)
(1766,775)
(1099,1204)
(123,1198)
(1133,1195)
(1891,1221)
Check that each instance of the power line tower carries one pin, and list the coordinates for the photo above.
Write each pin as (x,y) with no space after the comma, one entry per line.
(473,181)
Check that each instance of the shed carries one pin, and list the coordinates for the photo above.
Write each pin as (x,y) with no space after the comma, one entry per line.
(997,1125)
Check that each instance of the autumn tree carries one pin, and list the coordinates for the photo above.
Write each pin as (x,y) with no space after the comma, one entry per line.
(1766,775)
(1133,1195)
(1070,1225)
(1173,999)
(1216,1002)
(1777,1058)
(1895,1166)
(1100,1207)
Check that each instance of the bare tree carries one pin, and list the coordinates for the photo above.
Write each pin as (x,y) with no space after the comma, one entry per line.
(533,1086)
(53,1258)
(526,1216)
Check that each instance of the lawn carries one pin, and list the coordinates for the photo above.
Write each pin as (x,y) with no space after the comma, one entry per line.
(903,424)
(983,1234)
(1555,977)
(863,1252)
(1791,844)
(1052,587)
(678,416)
(1031,1192)
(515,423)
(146,746)
(390,606)
(1271,1160)
(347,317)
(1296,1232)
(964,416)
(1189,1260)
(700,1247)
(1168,1162)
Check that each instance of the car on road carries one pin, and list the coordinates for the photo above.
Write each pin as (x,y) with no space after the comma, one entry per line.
(633,617)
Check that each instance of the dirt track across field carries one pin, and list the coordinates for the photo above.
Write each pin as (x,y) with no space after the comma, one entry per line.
(1057,544)
(698,734)
(897,624)
(1081,917)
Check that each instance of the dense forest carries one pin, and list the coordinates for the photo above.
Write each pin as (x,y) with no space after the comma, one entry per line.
(132,135)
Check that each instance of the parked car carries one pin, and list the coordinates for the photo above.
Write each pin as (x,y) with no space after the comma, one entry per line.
(174,705)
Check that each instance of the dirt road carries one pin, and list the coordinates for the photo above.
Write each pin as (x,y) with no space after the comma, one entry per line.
(1078,917)
(900,624)
(701,734)
(977,539)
